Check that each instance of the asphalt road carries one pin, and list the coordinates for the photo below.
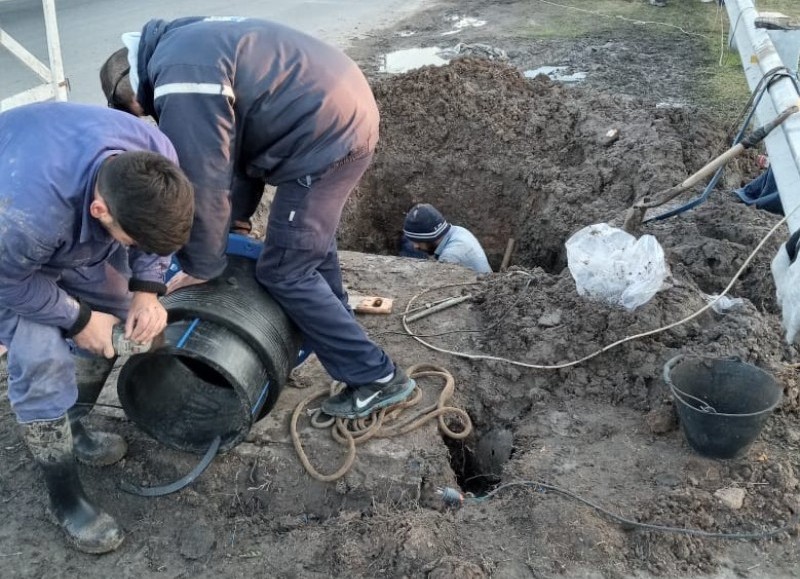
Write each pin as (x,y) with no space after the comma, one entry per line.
(90,29)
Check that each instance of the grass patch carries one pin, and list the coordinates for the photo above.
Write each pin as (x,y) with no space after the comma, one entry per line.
(576,18)
(724,90)
(721,88)
(789,7)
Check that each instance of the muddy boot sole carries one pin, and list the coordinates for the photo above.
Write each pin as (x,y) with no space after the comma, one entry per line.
(99,448)
(108,536)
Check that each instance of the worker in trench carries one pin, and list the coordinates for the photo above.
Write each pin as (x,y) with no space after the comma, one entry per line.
(428,232)
(90,201)
(248,102)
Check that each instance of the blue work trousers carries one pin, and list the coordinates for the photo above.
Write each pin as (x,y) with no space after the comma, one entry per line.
(299,267)
(41,370)
(762,192)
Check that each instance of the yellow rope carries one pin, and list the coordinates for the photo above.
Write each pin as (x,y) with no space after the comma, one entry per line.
(384,423)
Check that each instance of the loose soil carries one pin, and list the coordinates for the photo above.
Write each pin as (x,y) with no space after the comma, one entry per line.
(528,159)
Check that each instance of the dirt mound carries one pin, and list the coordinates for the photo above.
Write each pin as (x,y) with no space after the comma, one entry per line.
(508,156)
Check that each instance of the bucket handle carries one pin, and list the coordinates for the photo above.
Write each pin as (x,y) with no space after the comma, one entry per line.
(701,405)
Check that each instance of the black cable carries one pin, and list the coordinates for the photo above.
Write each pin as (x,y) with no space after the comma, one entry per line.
(628,523)
(93,404)
(758,92)
(160,491)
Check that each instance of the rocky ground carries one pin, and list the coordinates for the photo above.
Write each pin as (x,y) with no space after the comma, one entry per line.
(528,159)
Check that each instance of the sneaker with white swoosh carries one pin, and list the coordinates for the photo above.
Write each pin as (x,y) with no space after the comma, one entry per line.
(361,401)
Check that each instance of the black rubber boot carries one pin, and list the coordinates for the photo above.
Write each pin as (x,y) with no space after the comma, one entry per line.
(94,448)
(87,527)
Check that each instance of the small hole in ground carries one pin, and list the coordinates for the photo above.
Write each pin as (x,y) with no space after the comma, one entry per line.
(478,461)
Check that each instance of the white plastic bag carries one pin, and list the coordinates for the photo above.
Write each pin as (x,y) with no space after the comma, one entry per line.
(724,304)
(612,265)
(787,290)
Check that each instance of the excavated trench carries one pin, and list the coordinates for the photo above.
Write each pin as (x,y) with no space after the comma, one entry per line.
(529,159)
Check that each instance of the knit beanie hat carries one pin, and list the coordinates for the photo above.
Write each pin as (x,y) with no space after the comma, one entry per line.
(425,223)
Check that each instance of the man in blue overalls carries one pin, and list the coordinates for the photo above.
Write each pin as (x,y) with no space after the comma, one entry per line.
(90,199)
(248,102)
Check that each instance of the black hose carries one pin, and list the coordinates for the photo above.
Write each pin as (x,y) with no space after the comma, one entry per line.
(454,498)
(160,491)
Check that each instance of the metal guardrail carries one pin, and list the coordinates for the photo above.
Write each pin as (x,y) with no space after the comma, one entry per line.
(765,50)
(55,85)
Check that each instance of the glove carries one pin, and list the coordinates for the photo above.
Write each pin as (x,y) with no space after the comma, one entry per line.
(786,272)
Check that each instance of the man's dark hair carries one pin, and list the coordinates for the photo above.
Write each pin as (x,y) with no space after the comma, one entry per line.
(150,198)
(114,70)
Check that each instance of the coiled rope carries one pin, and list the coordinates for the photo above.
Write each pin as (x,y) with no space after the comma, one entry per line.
(385,423)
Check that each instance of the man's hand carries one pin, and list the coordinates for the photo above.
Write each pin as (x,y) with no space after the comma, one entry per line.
(786,271)
(147,318)
(180,280)
(96,336)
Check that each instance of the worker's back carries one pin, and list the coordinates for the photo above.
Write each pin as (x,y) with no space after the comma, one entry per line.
(459,246)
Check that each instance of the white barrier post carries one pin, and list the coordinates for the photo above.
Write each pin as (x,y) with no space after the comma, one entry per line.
(55,84)
(58,81)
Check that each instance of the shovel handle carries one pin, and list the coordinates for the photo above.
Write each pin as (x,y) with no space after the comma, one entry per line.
(692,180)
(748,143)
(711,167)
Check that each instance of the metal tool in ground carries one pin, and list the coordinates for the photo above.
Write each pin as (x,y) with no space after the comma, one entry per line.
(125,346)
(635,214)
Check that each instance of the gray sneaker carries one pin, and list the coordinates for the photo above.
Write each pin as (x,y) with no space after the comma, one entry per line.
(361,401)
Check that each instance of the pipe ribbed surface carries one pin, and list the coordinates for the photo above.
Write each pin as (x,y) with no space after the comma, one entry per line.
(227,353)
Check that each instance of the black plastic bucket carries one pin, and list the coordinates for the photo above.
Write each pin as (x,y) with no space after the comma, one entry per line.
(227,353)
(722,403)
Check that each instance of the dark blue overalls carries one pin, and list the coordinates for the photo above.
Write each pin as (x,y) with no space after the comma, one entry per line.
(248,102)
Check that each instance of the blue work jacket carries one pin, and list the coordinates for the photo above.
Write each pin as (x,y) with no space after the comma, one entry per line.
(247,99)
(50,154)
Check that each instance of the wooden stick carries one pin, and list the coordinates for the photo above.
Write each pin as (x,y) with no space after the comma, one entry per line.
(507,256)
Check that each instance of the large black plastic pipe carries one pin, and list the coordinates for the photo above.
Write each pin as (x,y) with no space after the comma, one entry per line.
(227,353)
